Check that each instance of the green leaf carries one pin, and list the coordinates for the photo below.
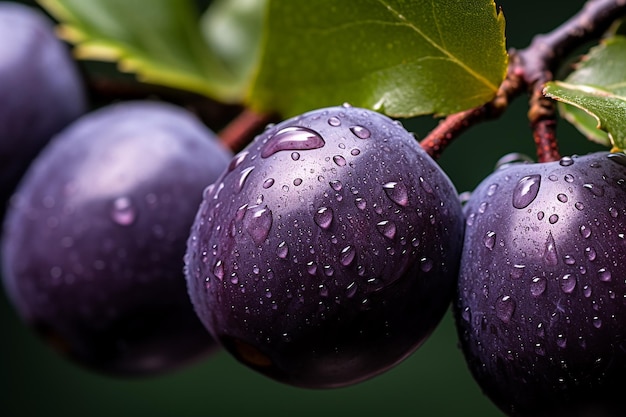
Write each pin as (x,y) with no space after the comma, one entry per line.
(602,68)
(403,58)
(159,40)
(232,30)
(607,108)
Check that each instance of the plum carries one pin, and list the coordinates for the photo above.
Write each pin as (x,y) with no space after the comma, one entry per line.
(328,250)
(94,238)
(542,290)
(42,90)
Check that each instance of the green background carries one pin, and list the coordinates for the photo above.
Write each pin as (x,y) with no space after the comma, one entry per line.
(434,381)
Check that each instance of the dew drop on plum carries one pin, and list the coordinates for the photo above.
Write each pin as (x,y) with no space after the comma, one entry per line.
(258,222)
(292,139)
(505,307)
(538,286)
(526,191)
(397,192)
(360,132)
(323,217)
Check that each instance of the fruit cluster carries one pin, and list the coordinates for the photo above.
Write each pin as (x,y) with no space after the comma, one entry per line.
(323,254)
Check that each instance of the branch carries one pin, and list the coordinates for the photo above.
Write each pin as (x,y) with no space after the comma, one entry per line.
(529,69)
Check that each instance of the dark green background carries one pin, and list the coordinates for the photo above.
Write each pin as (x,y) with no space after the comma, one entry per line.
(434,381)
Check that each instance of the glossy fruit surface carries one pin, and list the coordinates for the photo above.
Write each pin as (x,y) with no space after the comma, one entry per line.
(328,250)
(93,242)
(42,91)
(542,288)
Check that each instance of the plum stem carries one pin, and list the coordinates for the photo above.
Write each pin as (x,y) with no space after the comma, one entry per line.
(240,131)
(529,69)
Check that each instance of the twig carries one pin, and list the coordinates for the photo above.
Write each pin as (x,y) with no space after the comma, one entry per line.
(529,69)
(240,131)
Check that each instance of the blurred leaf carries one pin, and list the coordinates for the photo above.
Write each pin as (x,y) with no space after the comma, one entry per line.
(403,58)
(159,40)
(232,30)
(602,68)
(607,108)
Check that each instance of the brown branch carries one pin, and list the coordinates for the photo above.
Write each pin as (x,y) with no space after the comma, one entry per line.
(529,69)
(242,129)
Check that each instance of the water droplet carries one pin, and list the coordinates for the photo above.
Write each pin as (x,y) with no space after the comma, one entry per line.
(351,289)
(492,189)
(597,322)
(613,212)
(311,268)
(123,212)
(541,331)
(591,253)
(579,205)
(397,192)
(549,254)
(360,132)
(329,271)
(553,218)
(562,198)
(569,260)
(568,178)
(258,222)
(283,250)
(426,264)
(218,270)
(517,271)
(566,161)
(268,183)
(561,341)
(339,160)
(587,291)
(297,181)
(568,283)
(237,160)
(292,138)
(234,279)
(360,203)
(604,275)
(595,189)
(538,286)
(346,257)
(336,185)
(426,185)
(323,217)
(585,231)
(539,349)
(505,307)
(387,229)
(483,207)
(243,176)
(526,191)
(619,157)
(490,240)
(540,215)
(334,121)
(355,152)
(295,156)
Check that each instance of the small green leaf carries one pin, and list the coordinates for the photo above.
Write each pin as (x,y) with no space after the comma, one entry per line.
(602,68)
(159,40)
(403,58)
(607,108)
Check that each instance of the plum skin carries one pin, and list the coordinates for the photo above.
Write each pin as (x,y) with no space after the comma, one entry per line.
(93,240)
(42,90)
(540,301)
(328,251)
